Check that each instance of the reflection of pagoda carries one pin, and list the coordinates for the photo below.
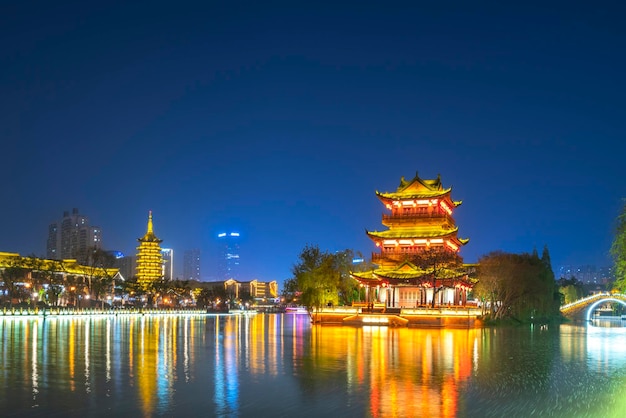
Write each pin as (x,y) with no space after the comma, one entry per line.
(149,257)
(418,259)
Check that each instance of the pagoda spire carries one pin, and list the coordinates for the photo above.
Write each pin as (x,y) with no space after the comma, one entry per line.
(149,236)
(150,231)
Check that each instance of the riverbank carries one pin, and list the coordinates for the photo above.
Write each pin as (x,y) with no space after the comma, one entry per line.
(350,316)
(67,312)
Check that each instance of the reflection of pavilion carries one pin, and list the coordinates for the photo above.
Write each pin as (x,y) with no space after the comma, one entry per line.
(418,263)
(416,372)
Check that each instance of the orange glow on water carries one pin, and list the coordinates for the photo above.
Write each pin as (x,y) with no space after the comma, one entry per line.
(411,372)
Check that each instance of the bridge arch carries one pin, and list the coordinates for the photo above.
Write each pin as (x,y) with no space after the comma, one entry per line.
(593,306)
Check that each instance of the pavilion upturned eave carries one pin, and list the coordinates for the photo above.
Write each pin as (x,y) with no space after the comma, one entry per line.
(414,232)
(408,279)
(426,194)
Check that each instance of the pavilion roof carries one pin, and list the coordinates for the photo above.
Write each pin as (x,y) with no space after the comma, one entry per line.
(417,188)
(406,271)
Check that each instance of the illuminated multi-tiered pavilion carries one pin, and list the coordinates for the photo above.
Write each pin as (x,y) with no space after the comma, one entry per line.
(420,226)
(149,257)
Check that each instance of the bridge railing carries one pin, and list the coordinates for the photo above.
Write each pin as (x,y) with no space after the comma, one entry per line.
(587,299)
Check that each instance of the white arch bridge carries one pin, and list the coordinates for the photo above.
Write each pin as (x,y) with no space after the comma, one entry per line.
(582,309)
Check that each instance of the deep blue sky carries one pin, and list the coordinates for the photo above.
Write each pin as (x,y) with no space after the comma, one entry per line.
(281,120)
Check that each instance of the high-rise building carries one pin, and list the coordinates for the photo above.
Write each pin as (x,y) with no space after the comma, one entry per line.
(191,265)
(228,255)
(149,257)
(72,238)
(127,265)
(168,263)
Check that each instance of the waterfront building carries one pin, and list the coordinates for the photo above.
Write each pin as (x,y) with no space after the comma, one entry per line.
(259,290)
(228,255)
(75,279)
(72,238)
(167,255)
(149,257)
(234,289)
(418,262)
(191,265)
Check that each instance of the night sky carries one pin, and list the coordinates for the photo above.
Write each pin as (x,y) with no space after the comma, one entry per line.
(281,120)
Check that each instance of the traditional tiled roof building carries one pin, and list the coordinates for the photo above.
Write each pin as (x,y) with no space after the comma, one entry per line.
(418,262)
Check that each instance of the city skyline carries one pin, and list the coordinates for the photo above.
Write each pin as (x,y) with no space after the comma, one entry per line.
(282,121)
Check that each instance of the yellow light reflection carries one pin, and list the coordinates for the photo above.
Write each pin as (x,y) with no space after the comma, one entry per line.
(410,372)
(34,372)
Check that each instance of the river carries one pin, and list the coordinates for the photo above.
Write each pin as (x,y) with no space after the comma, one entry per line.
(279,365)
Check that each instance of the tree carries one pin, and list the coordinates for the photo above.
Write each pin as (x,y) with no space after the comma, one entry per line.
(321,278)
(245,298)
(618,251)
(316,277)
(74,287)
(491,269)
(157,289)
(132,290)
(349,289)
(203,298)
(179,291)
(211,297)
(549,306)
(12,274)
(99,280)
(47,278)
(572,289)
(290,290)
(518,286)
(439,263)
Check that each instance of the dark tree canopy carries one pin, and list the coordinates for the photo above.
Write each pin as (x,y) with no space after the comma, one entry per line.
(519,286)
(618,251)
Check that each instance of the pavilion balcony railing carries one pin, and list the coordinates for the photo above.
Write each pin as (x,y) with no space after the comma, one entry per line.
(400,217)
(392,257)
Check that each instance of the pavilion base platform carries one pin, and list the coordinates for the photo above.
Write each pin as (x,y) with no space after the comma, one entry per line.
(396,317)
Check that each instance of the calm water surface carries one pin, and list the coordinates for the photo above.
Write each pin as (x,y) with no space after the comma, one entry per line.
(282,366)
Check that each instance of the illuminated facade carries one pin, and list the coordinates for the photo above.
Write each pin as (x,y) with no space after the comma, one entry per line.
(420,225)
(228,255)
(63,268)
(149,257)
(255,289)
(261,290)
(75,279)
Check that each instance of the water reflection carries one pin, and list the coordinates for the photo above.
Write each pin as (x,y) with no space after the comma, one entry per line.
(403,371)
(280,365)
